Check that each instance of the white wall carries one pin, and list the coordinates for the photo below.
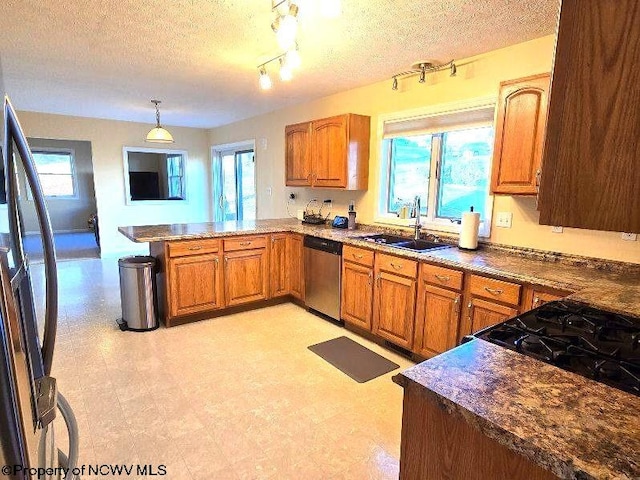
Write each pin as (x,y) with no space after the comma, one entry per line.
(107,138)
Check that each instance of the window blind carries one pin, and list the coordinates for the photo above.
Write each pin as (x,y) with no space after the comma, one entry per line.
(445,121)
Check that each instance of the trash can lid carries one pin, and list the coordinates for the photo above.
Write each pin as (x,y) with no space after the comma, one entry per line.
(137,261)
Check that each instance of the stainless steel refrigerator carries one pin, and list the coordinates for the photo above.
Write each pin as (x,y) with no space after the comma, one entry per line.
(29,400)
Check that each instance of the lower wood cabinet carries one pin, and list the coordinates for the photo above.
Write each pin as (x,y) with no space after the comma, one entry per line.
(356,304)
(195,284)
(394,299)
(482,314)
(295,254)
(279,266)
(437,320)
(246,276)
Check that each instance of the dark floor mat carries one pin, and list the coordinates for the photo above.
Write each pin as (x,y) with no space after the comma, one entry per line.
(351,358)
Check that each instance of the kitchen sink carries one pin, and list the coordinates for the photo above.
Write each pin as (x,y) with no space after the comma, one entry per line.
(404,242)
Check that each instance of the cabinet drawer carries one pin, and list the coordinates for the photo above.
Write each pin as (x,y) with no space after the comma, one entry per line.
(192,247)
(357,255)
(495,289)
(444,277)
(244,243)
(397,265)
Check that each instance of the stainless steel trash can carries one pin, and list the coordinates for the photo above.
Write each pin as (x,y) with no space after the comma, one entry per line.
(138,293)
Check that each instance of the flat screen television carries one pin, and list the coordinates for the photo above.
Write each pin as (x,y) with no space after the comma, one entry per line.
(144,186)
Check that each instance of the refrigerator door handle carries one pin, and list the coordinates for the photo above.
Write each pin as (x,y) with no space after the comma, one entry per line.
(71,461)
(13,131)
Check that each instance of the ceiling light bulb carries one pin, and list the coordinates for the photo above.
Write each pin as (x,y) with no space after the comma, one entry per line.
(287,30)
(292,59)
(285,71)
(330,8)
(265,79)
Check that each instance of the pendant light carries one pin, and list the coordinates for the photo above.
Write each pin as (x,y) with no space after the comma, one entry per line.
(158,134)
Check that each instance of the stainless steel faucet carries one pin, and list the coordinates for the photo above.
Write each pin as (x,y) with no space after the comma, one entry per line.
(418,226)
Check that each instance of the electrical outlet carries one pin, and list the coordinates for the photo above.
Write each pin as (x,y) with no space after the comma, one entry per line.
(263,143)
(269,191)
(557,229)
(503,219)
(630,236)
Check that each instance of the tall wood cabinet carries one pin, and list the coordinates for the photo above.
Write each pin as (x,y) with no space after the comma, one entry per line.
(591,174)
(519,137)
(394,299)
(328,153)
(356,303)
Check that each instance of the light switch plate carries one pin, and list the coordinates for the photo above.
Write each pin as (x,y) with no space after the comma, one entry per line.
(557,229)
(503,219)
(630,236)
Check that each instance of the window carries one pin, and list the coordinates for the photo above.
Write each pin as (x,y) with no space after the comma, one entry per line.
(175,182)
(56,171)
(234,182)
(443,159)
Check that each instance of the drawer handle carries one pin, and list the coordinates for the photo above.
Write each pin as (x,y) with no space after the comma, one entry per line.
(443,278)
(357,256)
(245,244)
(195,248)
(397,266)
(494,291)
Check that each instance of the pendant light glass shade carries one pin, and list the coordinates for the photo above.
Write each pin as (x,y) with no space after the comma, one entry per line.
(158,134)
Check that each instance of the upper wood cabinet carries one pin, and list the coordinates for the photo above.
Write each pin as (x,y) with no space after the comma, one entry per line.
(298,154)
(591,174)
(520,130)
(329,153)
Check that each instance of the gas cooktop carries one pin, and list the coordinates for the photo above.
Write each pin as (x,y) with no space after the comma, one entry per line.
(597,344)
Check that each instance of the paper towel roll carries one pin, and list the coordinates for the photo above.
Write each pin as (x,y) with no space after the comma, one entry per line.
(469,230)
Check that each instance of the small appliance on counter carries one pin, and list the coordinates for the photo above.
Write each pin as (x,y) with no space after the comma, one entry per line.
(340,222)
(573,336)
(312,217)
(469,228)
(352,216)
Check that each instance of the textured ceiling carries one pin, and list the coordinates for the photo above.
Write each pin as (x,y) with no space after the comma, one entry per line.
(108,58)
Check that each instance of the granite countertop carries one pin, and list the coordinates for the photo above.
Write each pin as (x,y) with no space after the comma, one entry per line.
(573,426)
(616,290)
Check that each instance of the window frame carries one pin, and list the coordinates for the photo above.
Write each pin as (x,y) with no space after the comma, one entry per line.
(235,148)
(74,177)
(429,221)
(167,151)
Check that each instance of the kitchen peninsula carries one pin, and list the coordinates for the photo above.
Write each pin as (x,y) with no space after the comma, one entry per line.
(540,421)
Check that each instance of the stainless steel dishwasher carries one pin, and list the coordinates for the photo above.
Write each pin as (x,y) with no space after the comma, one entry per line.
(322,275)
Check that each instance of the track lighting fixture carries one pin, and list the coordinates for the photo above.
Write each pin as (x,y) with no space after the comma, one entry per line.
(286,74)
(421,69)
(286,26)
(265,79)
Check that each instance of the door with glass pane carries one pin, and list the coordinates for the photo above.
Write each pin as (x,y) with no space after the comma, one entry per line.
(235,188)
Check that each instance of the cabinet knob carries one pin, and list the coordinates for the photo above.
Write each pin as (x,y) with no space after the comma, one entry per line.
(378,279)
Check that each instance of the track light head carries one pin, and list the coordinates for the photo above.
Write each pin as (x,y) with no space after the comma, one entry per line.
(395,84)
(454,70)
(423,72)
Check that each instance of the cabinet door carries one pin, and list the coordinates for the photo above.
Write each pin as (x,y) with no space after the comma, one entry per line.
(541,297)
(246,276)
(485,314)
(329,152)
(298,155)
(590,176)
(195,284)
(357,295)
(394,308)
(520,130)
(437,320)
(279,271)
(296,266)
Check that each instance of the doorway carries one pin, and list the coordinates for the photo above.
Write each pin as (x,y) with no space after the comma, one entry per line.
(234,182)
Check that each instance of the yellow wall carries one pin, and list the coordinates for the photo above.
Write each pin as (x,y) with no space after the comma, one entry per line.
(107,138)
(479,78)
